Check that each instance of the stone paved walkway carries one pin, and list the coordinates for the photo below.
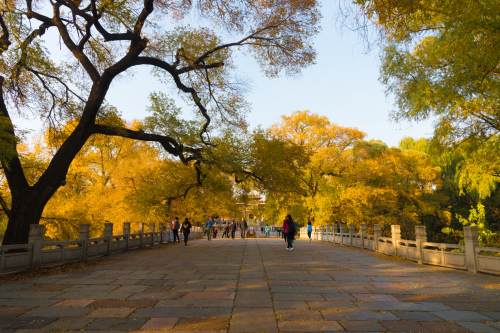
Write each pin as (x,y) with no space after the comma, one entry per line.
(252,286)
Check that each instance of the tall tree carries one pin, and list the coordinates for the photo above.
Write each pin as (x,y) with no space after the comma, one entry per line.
(324,144)
(442,61)
(442,58)
(104,39)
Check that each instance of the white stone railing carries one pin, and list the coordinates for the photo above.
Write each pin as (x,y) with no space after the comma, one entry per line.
(40,252)
(469,256)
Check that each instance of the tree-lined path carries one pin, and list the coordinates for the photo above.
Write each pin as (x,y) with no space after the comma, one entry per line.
(252,286)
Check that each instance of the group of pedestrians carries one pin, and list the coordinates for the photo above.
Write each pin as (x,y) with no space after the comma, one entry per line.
(289,230)
(212,228)
(185,229)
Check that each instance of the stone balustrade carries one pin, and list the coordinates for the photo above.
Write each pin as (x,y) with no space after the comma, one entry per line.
(469,256)
(40,252)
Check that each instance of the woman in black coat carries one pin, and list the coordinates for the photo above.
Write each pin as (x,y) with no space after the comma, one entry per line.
(186,229)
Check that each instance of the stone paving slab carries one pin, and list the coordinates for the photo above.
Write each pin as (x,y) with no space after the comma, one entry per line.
(57,312)
(251,286)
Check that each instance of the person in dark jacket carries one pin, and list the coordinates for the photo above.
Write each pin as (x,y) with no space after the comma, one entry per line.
(289,230)
(186,229)
(227,228)
(233,229)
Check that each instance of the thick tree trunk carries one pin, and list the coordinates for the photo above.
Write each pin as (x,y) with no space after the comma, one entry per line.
(26,210)
(28,202)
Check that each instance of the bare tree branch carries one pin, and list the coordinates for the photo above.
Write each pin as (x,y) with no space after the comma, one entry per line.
(16,70)
(200,177)
(146,11)
(58,79)
(190,68)
(70,44)
(129,35)
(168,143)
(241,42)
(190,90)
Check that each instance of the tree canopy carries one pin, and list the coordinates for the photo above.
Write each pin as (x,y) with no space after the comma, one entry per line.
(104,39)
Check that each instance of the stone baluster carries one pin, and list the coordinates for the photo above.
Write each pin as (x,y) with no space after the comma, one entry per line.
(351,234)
(84,238)
(35,240)
(362,234)
(471,243)
(163,229)
(342,230)
(108,235)
(396,237)
(126,234)
(334,231)
(152,229)
(377,233)
(141,234)
(420,237)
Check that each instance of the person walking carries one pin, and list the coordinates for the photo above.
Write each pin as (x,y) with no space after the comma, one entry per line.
(186,230)
(233,229)
(175,229)
(309,229)
(267,231)
(209,226)
(289,230)
(226,230)
(243,228)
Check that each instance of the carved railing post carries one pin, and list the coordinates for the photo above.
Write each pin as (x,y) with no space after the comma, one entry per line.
(35,240)
(471,243)
(170,235)
(343,231)
(334,232)
(141,234)
(377,233)
(108,235)
(420,237)
(84,238)
(126,234)
(152,227)
(163,229)
(362,234)
(396,237)
(351,234)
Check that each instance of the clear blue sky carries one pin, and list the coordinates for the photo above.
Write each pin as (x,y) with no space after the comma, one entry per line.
(343,85)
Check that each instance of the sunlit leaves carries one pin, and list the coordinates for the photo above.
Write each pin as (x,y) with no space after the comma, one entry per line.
(441,61)
(165,118)
(480,171)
